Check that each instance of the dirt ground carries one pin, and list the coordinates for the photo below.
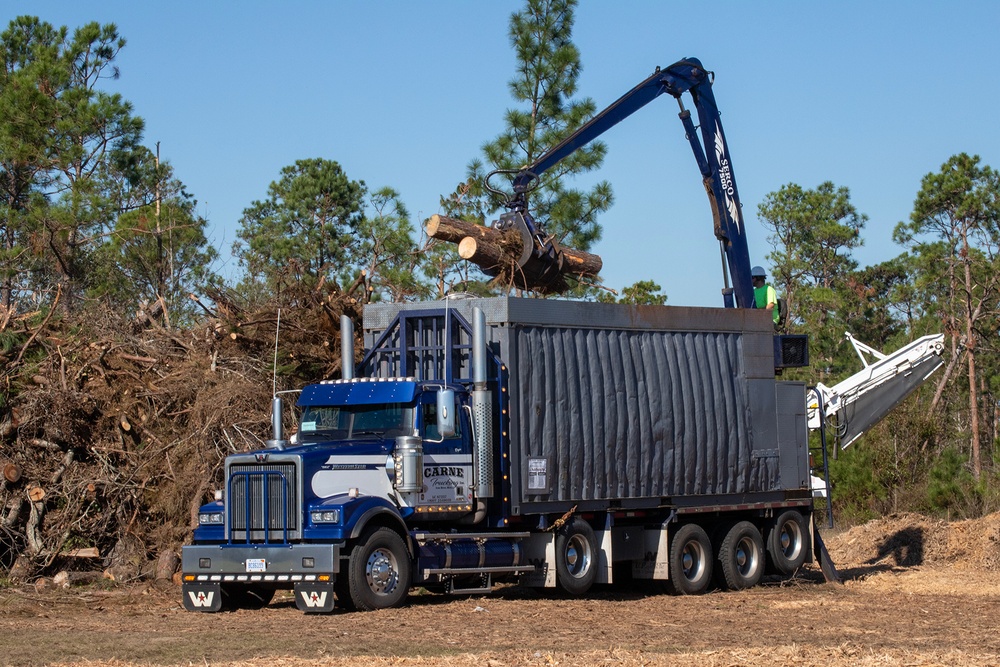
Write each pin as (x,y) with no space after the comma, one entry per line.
(916,592)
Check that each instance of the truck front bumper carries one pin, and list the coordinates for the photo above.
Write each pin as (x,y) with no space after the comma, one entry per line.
(308,568)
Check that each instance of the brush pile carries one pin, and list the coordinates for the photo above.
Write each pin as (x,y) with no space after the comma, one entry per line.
(113,429)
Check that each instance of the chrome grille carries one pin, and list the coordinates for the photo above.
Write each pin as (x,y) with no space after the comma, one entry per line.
(262,494)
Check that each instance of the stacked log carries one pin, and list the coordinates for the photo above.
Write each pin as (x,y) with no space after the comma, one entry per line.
(498,252)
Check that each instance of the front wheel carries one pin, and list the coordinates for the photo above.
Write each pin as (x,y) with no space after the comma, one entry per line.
(576,557)
(378,571)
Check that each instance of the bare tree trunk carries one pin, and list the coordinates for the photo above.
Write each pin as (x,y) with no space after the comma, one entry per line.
(970,334)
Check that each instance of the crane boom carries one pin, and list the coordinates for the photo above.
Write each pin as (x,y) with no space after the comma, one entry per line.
(542,266)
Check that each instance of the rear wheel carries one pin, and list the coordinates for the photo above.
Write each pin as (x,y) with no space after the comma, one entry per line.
(786,542)
(576,557)
(690,560)
(741,556)
(378,571)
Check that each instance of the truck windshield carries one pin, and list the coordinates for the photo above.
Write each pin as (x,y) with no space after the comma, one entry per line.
(386,420)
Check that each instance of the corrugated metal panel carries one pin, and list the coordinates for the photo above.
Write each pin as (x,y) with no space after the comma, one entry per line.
(631,414)
(610,402)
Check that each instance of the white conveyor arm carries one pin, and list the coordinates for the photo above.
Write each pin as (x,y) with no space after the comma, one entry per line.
(862,400)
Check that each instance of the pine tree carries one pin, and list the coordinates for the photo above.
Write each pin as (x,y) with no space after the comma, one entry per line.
(548,66)
(305,230)
(60,137)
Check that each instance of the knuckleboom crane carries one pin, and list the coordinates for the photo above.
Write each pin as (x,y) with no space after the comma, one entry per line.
(541,262)
(851,406)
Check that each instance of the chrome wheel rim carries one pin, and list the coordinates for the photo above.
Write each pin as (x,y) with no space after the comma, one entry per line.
(382,572)
(693,561)
(578,556)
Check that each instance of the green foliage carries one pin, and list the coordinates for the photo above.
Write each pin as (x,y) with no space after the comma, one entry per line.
(954,237)
(858,487)
(548,66)
(387,251)
(442,266)
(813,233)
(305,230)
(76,186)
(950,484)
(60,137)
(641,293)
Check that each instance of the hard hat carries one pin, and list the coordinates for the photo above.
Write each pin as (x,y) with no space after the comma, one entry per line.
(758,272)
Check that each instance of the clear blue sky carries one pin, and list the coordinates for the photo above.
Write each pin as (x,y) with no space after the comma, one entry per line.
(868,95)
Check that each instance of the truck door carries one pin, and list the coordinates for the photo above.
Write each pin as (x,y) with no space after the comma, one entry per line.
(447,462)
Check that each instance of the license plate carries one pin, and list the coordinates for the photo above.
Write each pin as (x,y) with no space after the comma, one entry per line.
(256,565)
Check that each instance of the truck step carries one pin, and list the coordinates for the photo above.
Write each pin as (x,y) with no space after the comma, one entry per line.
(428,537)
(472,571)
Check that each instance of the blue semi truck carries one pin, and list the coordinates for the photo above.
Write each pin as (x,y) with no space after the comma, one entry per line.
(553,443)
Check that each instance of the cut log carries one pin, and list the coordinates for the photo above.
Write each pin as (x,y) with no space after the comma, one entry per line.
(483,253)
(66,579)
(581,263)
(87,552)
(36,494)
(488,253)
(453,229)
(498,253)
(166,565)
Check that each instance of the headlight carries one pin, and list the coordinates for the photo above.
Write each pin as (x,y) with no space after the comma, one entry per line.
(214,518)
(325,516)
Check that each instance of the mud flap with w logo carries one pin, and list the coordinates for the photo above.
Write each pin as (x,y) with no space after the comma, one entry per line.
(314,597)
(202,597)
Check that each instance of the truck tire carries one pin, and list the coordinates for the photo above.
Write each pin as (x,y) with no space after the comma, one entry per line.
(741,556)
(576,557)
(342,589)
(378,570)
(690,560)
(246,597)
(786,542)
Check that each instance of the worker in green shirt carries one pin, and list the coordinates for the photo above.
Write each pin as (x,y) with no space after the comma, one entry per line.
(764,294)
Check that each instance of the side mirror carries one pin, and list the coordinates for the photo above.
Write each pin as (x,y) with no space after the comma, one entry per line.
(446,413)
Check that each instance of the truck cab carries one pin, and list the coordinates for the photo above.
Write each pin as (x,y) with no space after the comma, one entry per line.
(367,452)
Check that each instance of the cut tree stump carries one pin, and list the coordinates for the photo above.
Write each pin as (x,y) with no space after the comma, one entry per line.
(12,472)
(166,565)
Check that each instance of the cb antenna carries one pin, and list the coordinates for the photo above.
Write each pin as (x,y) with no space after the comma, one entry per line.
(274,367)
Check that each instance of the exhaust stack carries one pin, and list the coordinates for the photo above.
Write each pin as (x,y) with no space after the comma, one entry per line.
(347,347)
(482,413)
(277,440)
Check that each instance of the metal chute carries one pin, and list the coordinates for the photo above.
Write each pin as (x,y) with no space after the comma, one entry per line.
(856,404)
